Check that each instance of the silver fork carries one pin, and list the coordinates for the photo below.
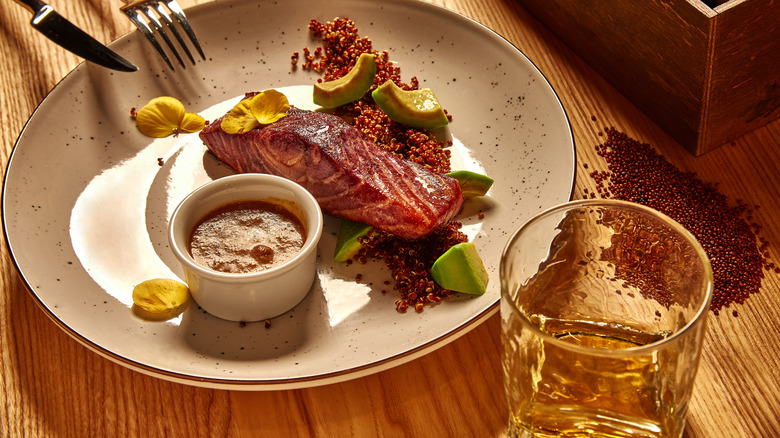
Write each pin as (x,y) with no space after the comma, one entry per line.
(150,16)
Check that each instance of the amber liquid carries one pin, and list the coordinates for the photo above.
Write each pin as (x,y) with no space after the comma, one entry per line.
(565,394)
(586,352)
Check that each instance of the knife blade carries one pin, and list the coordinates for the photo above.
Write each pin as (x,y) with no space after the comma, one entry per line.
(73,39)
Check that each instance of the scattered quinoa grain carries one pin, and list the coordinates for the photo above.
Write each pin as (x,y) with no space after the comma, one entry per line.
(728,233)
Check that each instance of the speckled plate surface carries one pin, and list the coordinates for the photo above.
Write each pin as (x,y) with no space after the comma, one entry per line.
(87,198)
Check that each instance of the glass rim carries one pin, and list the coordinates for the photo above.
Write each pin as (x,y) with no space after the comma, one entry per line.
(629,351)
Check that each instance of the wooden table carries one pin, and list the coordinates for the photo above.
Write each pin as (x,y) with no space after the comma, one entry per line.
(50,385)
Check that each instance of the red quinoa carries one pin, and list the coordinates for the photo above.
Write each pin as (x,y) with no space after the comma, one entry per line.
(342,46)
(727,233)
(409,261)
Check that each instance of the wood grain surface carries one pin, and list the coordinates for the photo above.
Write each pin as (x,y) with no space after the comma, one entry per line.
(52,386)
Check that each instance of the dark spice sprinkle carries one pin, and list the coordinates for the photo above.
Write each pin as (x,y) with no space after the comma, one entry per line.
(729,235)
(409,261)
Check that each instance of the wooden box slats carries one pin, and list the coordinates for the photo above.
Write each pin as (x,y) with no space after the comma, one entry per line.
(707,76)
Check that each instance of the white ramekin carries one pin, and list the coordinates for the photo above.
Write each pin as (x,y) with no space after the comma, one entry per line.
(253,296)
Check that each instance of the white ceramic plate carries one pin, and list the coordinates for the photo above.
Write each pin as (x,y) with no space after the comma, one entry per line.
(86,203)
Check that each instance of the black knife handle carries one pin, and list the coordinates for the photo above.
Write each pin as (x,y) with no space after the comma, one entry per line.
(32,5)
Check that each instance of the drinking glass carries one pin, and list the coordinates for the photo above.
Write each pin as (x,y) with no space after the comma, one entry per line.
(603,310)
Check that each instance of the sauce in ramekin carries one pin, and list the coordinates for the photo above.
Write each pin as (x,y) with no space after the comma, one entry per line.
(247,236)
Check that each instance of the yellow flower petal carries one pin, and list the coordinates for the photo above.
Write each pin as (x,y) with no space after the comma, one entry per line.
(262,109)
(160,117)
(269,106)
(160,295)
(240,119)
(192,123)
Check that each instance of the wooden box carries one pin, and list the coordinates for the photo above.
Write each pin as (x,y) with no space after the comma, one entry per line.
(707,74)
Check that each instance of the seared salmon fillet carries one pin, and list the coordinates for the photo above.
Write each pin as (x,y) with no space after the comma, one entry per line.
(350,176)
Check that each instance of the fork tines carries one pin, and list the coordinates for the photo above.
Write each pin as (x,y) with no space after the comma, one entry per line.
(150,16)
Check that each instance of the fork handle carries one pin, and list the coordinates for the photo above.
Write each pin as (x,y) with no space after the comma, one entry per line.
(32,5)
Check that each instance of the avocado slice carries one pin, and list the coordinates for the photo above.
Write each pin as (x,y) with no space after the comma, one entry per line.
(348,240)
(461,269)
(472,183)
(415,108)
(348,88)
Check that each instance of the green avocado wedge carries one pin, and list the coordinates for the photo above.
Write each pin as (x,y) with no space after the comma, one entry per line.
(348,240)
(472,183)
(461,269)
(348,88)
(415,108)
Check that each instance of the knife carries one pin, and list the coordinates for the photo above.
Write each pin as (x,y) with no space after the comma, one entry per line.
(75,40)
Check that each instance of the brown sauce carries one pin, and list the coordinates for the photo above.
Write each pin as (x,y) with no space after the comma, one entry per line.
(247,236)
